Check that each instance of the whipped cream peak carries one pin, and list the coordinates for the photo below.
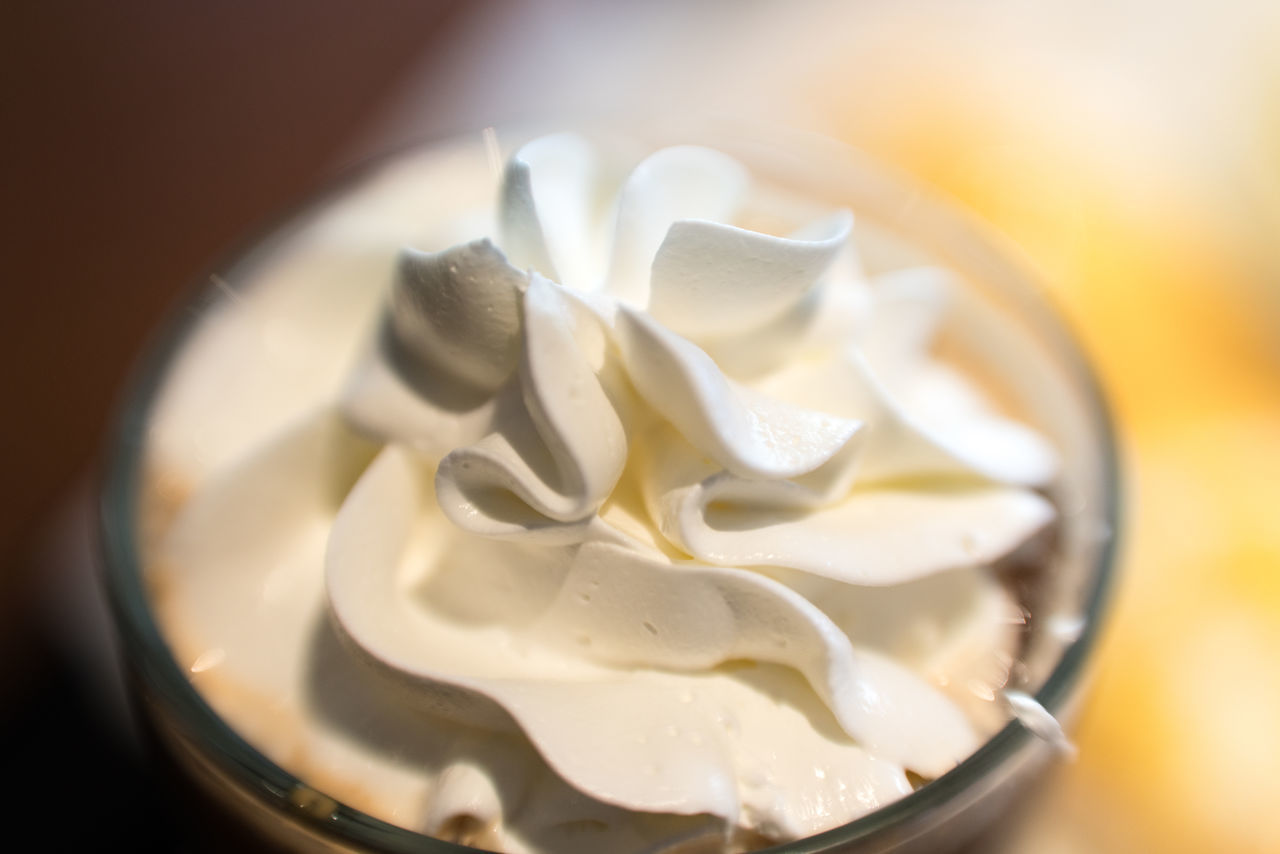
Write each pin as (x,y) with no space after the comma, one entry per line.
(637,468)
(556,447)
(747,432)
(554,179)
(679,183)
(710,279)
(457,313)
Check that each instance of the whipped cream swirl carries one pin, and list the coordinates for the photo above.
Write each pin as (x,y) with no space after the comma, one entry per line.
(689,506)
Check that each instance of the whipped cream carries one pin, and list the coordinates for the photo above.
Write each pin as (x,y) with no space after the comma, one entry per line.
(640,516)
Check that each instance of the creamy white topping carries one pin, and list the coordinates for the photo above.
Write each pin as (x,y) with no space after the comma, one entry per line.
(689,508)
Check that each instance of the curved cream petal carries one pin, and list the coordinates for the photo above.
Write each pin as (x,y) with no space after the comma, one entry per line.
(557,453)
(384,544)
(457,312)
(846,307)
(875,537)
(687,744)
(958,629)
(902,718)
(951,410)
(899,443)
(710,279)
(999,448)
(908,309)
(657,741)
(678,484)
(746,432)
(747,354)
(490,489)
(826,319)
(678,183)
(554,817)
(521,229)
(565,399)
(866,537)
(944,405)
(640,610)
(923,418)
(549,211)
(952,433)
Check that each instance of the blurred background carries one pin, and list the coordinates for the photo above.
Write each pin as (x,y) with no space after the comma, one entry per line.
(1130,148)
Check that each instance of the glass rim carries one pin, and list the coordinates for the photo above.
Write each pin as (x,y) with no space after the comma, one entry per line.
(147,654)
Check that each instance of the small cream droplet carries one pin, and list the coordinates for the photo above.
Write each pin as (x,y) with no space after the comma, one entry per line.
(981,690)
(1066,627)
(1039,722)
(209,659)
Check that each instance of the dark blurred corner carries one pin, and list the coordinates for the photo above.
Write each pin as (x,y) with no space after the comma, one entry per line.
(140,140)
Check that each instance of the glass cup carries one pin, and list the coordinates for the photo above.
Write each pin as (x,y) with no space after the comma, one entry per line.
(1002,311)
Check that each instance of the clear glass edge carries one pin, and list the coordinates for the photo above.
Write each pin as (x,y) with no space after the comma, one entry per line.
(148,655)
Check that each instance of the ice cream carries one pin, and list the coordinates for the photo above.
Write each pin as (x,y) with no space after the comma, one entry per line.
(628,513)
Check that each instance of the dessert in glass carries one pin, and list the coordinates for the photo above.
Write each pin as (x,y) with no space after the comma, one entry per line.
(668,490)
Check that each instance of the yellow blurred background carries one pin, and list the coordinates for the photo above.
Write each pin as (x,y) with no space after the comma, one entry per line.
(1133,154)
